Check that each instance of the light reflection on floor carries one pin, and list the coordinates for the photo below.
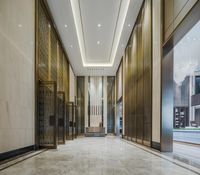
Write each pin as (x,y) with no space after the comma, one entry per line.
(99,156)
(186,153)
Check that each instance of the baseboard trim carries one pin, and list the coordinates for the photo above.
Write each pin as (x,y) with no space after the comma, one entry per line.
(17,152)
(155,145)
(152,144)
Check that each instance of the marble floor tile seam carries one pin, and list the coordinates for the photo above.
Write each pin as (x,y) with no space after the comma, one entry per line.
(157,153)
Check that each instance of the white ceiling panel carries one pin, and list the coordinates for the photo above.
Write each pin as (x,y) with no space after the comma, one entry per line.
(98,40)
(93,29)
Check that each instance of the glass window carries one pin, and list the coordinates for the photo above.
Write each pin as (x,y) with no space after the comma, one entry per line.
(197,85)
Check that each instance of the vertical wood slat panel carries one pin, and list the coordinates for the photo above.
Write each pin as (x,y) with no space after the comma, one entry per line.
(147,74)
(138,79)
(140,62)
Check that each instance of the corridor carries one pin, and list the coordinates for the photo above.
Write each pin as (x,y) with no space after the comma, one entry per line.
(99,87)
(99,156)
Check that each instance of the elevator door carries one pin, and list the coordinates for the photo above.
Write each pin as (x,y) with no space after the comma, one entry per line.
(47,117)
(61,117)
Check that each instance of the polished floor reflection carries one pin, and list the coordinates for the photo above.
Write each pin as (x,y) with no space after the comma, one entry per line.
(187,153)
(98,156)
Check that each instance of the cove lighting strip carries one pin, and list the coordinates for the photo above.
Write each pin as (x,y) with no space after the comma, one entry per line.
(118,33)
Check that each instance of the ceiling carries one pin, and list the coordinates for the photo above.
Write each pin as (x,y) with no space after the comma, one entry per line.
(94,32)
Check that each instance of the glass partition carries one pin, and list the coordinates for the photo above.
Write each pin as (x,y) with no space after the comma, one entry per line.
(187,87)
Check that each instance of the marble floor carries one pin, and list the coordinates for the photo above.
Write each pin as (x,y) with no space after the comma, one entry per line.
(97,156)
(187,153)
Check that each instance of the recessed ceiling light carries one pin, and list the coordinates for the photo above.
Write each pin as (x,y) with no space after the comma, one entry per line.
(71,46)
(65,25)
(79,31)
(129,25)
(99,25)
(19,25)
(122,46)
(98,42)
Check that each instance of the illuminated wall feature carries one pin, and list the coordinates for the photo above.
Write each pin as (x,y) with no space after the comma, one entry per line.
(96,101)
(138,73)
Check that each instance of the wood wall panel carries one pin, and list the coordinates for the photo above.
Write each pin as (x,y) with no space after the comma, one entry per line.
(147,74)
(138,72)
(134,84)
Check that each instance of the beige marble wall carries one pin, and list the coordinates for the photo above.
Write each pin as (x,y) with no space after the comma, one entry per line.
(16,74)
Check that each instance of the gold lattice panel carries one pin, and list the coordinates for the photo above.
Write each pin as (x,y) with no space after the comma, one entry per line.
(43,30)
(53,56)
(60,70)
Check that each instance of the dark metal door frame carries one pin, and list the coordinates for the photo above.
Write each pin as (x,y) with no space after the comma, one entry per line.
(70,121)
(44,108)
(61,117)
